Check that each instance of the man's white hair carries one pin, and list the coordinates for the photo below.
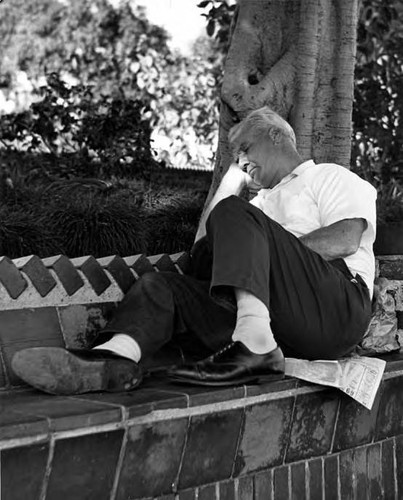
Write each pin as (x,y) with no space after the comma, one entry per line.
(257,126)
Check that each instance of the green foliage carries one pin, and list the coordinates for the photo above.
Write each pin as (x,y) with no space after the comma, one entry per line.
(91,39)
(97,225)
(390,202)
(118,53)
(219,14)
(378,103)
(111,79)
(25,232)
(110,133)
(185,101)
(156,213)
(173,219)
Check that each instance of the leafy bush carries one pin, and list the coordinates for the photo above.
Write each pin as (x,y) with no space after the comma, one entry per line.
(117,51)
(155,214)
(219,14)
(378,97)
(390,203)
(92,40)
(111,133)
(25,232)
(172,221)
(98,226)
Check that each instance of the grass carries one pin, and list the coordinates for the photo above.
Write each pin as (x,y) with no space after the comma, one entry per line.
(46,214)
(96,225)
(24,232)
(172,221)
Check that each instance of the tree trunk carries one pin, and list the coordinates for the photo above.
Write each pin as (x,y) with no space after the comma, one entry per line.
(296,56)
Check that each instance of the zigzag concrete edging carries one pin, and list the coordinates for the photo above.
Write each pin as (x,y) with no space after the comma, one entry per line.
(31,282)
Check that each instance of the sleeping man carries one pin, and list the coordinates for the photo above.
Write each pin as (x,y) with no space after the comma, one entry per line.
(289,273)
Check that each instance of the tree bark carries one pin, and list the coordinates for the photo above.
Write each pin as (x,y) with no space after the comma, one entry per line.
(296,56)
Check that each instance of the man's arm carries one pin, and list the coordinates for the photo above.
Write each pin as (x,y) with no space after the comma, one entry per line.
(338,240)
(232,183)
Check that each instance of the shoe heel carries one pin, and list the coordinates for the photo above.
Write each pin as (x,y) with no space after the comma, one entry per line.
(121,376)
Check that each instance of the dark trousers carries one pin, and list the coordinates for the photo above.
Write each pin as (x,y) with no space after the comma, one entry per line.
(318,310)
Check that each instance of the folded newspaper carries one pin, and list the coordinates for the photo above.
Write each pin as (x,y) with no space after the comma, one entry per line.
(359,377)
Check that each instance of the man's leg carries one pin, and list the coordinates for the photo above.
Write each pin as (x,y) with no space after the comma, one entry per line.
(156,307)
(166,304)
(252,313)
(316,311)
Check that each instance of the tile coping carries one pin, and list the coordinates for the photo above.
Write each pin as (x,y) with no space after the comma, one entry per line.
(157,415)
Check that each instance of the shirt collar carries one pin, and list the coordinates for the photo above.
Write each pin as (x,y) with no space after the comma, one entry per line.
(302,167)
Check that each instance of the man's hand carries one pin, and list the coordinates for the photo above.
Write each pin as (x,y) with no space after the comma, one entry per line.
(233,182)
(338,240)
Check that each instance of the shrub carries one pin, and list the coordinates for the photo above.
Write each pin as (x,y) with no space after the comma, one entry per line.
(172,221)
(76,129)
(390,203)
(116,50)
(157,212)
(25,232)
(378,96)
(98,225)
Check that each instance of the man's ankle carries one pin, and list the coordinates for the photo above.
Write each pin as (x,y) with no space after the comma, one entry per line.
(122,345)
(253,323)
(257,345)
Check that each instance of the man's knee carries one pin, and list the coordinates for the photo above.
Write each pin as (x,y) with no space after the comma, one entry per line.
(151,286)
(233,209)
(230,203)
(227,207)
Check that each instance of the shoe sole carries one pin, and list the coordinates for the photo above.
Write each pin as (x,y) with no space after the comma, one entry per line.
(230,383)
(57,371)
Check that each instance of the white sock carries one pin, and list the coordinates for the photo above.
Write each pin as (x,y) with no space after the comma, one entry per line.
(253,323)
(122,345)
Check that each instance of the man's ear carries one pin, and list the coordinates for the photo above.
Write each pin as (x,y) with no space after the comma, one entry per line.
(275,135)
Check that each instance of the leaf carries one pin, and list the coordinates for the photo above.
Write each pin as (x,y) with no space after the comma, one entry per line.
(203,4)
(210,27)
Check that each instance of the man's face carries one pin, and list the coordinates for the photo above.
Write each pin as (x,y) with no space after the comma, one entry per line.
(262,163)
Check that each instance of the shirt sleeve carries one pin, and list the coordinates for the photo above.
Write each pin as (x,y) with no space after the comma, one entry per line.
(341,194)
(257,202)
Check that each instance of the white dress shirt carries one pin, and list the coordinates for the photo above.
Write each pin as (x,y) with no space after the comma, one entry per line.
(315,196)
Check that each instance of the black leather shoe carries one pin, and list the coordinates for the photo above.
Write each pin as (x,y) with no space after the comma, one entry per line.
(233,365)
(60,371)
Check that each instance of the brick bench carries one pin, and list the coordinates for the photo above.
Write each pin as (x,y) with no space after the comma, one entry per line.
(288,439)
